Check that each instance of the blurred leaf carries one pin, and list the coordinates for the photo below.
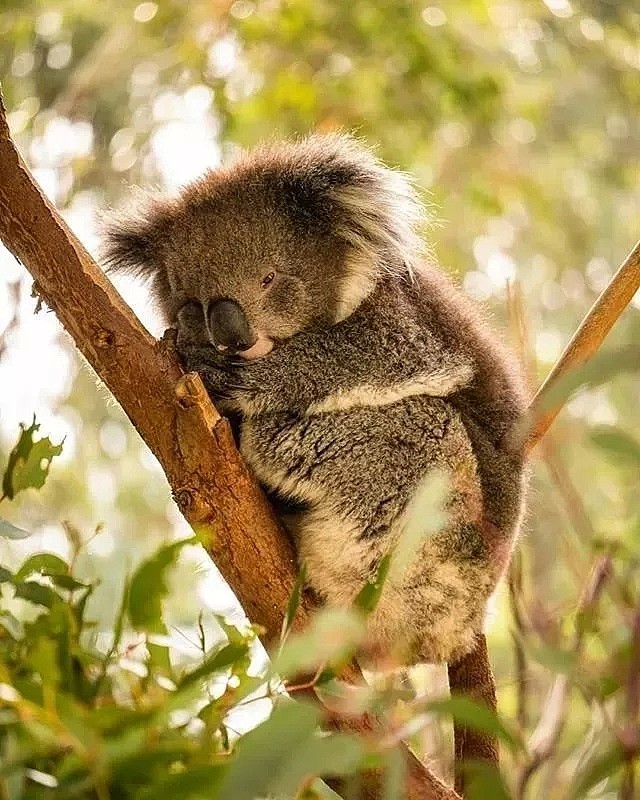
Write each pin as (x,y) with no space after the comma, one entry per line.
(477,716)
(43,563)
(598,370)
(367,598)
(601,766)
(482,781)
(555,659)
(148,587)
(277,755)
(319,791)
(10,531)
(11,624)
(424,517)
(617,443)
(196,783)
(394,774)
(29,462)
(332,636)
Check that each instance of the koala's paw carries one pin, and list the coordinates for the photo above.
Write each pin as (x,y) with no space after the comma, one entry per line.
(216,375)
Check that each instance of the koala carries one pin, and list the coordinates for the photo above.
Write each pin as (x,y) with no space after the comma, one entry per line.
(352,366)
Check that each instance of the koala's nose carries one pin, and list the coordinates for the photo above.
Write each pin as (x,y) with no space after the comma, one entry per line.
(228,327)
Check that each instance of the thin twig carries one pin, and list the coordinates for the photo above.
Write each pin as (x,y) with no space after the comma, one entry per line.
(545,738)
(586,340)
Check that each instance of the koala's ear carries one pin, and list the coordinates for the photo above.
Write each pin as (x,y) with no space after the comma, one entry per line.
(132,238)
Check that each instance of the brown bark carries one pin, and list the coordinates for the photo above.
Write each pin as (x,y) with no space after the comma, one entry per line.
(173,415)
(586,340)
(472,676)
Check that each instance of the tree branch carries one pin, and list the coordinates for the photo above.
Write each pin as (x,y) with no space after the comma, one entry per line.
(586,340)
(175,417)
(472,675)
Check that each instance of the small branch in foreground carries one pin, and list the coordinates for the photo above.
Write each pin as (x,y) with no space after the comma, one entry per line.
(586,340)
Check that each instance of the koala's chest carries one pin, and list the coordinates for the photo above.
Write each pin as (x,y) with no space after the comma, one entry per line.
(366,457)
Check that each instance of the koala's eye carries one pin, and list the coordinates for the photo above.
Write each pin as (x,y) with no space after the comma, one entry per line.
(268,278)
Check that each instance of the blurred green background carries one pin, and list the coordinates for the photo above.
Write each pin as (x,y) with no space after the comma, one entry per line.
(520,120)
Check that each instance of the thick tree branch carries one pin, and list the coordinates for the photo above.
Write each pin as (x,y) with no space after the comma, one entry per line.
(173,415)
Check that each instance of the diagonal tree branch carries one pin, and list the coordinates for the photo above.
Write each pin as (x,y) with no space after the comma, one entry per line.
(175,417)
(472,675)
(586,340)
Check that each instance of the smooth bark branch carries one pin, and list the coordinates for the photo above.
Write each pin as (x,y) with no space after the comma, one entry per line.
(172,413)
(586,340)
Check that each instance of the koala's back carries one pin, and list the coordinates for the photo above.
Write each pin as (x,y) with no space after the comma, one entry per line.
(491,405)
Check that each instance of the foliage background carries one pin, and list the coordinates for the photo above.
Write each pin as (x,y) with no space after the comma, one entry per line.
(520,120)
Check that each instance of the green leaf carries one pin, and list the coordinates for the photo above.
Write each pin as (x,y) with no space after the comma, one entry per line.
(43,659)
(29,462)
(36,593)
(483,780)
(66,582)
(477,716)
(218,661)
(367,598)
(10,531)
(42,563)
(617,443)
(276,756)
(332,637)
(294,602)
(148,587)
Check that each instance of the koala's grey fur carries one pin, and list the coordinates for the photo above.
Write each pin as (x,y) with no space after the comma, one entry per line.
(380,371)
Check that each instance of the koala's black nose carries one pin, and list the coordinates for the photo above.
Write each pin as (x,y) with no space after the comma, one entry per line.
(228,326)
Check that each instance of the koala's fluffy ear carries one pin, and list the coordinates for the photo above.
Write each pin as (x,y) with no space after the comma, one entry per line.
(374,209)
(132,238)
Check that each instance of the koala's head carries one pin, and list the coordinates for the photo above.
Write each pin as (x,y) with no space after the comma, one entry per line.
(290,237)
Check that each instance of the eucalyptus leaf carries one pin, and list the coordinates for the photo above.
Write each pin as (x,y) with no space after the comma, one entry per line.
(477,716)
(148,587)
(10,531)
(29,462)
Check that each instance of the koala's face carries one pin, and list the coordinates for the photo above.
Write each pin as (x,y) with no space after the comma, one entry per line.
(244,270)
(292,237)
